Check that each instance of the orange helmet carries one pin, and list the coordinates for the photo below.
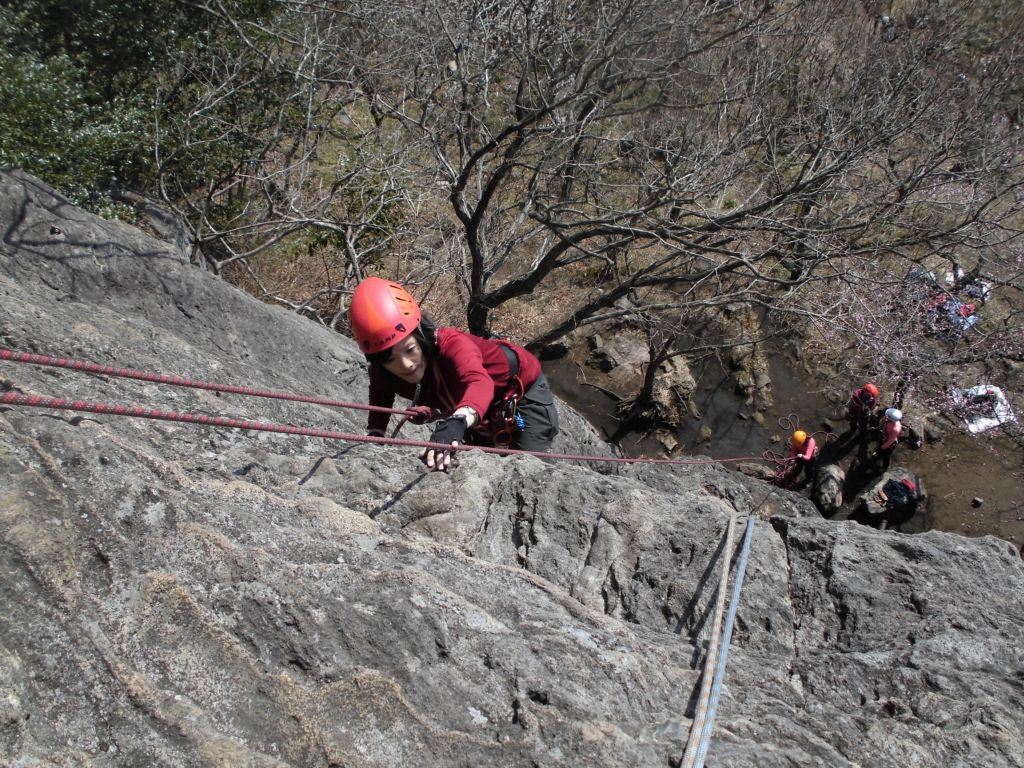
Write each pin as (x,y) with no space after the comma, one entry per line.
(871,389)
(382,313)
(798,439)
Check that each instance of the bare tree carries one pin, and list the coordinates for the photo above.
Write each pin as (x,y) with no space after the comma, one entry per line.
(274,158)
(801,158)
(796,156)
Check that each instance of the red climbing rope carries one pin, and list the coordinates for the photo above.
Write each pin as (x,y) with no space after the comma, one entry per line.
(178,381)
(419,414)
(41,401)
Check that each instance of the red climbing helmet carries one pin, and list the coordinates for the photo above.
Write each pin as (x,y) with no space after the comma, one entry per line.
(382,313)
(871,389)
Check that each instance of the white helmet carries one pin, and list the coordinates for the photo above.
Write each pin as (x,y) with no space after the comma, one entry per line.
(894,414)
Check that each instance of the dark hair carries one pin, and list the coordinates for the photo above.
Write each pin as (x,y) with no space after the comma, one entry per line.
(425,334)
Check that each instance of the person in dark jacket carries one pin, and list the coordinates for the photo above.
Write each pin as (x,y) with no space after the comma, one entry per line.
(861,404)
(859,410)
(491,391)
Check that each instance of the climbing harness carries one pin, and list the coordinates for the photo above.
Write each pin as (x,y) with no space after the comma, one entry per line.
(43,401)
(504,419)
(511,421)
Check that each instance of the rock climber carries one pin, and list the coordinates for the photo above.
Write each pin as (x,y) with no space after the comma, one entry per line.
(858,413)
(493,391)
(803,451)
(891,425)
(862,402)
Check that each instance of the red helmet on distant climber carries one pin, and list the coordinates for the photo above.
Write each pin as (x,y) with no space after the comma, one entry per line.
(382,313)
(798,439)
(871,389)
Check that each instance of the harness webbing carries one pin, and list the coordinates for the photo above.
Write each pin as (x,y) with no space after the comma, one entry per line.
(179,381)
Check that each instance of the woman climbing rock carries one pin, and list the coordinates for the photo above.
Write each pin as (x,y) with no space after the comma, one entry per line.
(491,391)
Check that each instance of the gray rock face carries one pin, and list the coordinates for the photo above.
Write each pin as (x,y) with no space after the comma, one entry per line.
(176,595)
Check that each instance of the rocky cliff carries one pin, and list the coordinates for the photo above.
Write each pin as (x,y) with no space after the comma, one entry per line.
(176,595)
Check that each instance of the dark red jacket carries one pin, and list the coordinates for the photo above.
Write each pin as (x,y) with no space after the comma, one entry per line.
(466,370)
(860,404)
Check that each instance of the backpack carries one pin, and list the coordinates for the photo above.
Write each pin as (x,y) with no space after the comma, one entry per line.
(899,493)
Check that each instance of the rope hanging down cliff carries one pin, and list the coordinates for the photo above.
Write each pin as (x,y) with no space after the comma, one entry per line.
(718,648)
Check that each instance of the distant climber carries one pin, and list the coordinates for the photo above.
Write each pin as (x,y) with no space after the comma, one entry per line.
(492,391)
(893,499)
(891,425)
(860,406)
(803,451)
(859,410)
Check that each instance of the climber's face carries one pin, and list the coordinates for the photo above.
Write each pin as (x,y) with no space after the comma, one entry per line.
(406,361)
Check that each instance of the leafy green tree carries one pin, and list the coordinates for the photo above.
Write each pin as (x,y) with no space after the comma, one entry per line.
(52,122)
(79,83)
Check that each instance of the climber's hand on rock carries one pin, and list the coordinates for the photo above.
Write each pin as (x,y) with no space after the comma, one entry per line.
(450,431)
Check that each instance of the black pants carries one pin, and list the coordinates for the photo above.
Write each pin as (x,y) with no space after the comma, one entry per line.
(885,455)
(792,479)
(540,418)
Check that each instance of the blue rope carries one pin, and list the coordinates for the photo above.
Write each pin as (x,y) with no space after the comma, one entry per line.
(716,686)
(700,713)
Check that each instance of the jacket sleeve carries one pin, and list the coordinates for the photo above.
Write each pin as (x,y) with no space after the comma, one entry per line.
(473,386)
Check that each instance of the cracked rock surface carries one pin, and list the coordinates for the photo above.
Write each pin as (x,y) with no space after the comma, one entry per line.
(176,595)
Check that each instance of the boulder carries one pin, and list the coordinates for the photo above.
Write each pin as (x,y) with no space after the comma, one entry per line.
(617,350)
(673,391)
(827,492)
(748,361)
(891,500)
